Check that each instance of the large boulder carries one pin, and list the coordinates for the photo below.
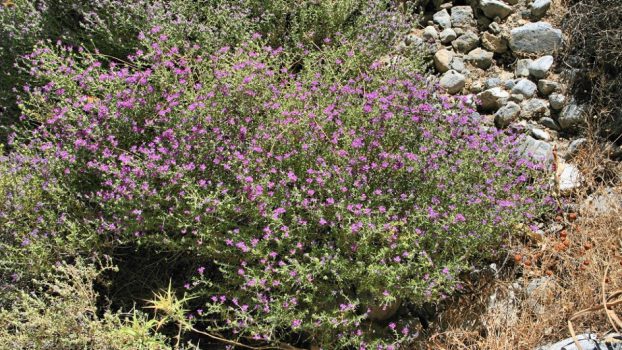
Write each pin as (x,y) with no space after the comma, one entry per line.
(495,8)
(538,38)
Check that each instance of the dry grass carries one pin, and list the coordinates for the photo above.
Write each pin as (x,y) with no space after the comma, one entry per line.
(581,263)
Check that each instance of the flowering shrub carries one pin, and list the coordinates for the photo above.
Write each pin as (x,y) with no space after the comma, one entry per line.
(112,26)
(314,189)
(313,194)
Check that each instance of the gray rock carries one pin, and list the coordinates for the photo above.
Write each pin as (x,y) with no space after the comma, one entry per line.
(495,8)
(571,116)
(492,82)
(522,68)
(533,108)
(547,87)
(483,21)
(461,16)
(540,67)
(448,35)
(457,64)
(466,42)
(442,18)
(540,134)
(607,201)
(442,60)
(549,123)
(452,81)
(535,292)
(430,33)
(525,87)
(539,37)
(518,98)
(506,115)
(569,178)
(557,101)
(412,39)
(493,99)
(575,146)
(539,8)
(587,342)
(480,58)
(509,84)
(538,151)
(494,43)
(494,27)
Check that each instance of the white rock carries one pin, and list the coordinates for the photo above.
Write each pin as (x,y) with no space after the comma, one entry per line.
(586,341)
(525,87)
(540,67)
(569,178)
